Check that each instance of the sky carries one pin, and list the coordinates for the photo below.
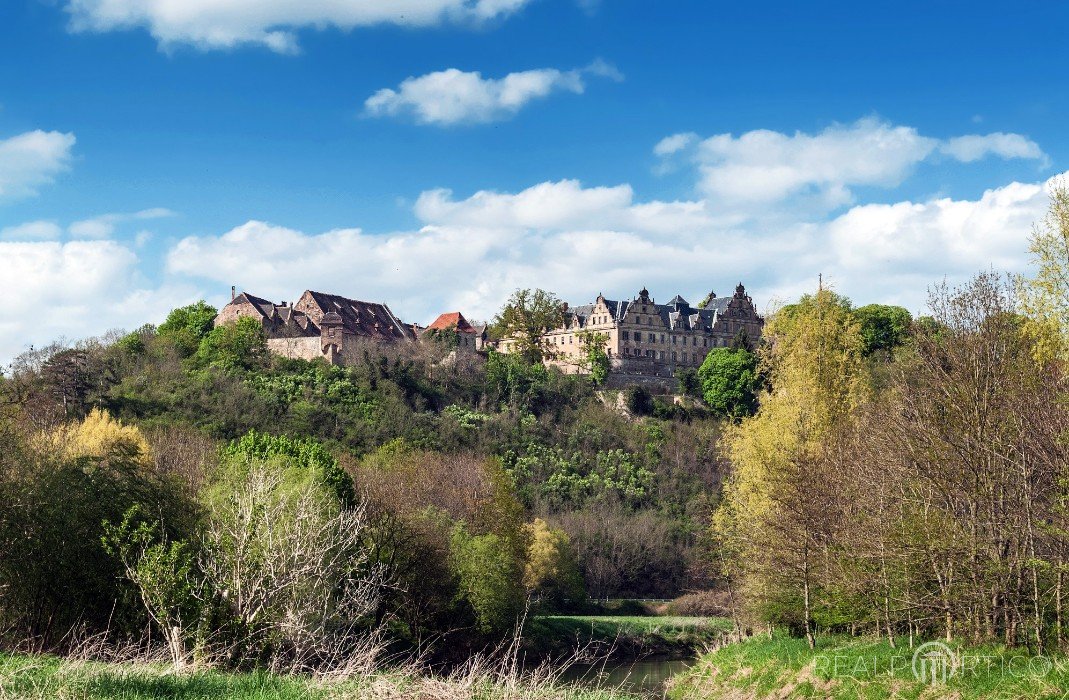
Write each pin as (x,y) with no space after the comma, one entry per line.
(438,154)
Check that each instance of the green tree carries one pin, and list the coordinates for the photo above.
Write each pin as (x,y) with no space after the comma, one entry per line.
(883,327)
(525,318)
(165,576)
(778,507)
(303,454)
(490,578)
(595,360)
(730,382)
(233,346)
(1045,297)
(186,326)
(551,570)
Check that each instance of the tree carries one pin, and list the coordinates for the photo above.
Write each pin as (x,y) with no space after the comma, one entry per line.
(240,345)
(551,570)
(186,326)
(164,574)
(1045,297)
(730,381)
(883,327)
(595,360)
(777,514)
(489,577)
(525,318)
(288,564)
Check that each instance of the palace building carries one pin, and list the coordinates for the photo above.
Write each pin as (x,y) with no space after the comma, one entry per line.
(648,342)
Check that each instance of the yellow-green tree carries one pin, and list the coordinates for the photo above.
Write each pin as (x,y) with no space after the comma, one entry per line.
(99,435)
(1045,297)
(778,508)
(551,569)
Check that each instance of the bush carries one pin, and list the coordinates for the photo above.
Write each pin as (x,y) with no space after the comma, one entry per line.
(712,603)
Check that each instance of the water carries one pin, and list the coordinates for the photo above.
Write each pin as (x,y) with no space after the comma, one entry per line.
(644,677)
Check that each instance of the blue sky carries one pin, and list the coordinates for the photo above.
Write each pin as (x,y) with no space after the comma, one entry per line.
(437,154)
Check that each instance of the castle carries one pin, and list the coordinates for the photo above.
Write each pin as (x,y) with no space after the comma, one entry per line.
(336,328)
(646,342)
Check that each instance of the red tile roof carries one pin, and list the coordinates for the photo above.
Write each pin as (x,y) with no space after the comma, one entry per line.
(452,320)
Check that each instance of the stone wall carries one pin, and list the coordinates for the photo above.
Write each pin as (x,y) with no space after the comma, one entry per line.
(306,348)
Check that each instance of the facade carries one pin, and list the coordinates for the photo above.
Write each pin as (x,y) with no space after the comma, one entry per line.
(318,325)
(469,338)
(648,342)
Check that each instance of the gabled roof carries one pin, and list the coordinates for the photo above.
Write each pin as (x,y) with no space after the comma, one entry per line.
(363,318)
(454,319)
(265,307)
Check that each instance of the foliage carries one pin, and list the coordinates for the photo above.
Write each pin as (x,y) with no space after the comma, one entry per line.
(186,326)
(466,418)
(814,362)
(164,574)
(304,454)
(689,382)
(1045,297)
(595,361)
(551,570)
(97,436)
(489,578)
(638,400)
(514,380)
(730,382)
(574,480)
(883,327)
(527,314)
(56,491)
(236,346)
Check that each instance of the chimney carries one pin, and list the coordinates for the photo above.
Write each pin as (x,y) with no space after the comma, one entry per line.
(233,292)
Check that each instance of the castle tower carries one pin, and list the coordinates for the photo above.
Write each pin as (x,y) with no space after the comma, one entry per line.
(332,334)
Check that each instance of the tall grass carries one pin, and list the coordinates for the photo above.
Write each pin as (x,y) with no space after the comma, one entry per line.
(850,668)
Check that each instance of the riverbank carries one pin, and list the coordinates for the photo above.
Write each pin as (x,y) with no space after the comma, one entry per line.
(43,677)
(623,636)
(842,668)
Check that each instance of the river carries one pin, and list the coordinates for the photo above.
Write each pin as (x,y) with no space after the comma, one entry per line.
(645,677)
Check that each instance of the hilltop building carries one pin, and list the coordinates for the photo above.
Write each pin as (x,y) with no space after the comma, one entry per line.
(318,325)
(648,342)
(469,338)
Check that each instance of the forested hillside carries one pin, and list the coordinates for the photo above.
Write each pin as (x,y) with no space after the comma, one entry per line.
(459,485)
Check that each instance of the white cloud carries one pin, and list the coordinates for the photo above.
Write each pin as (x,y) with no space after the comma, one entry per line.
(975,147)
(32,231)
(453,96)
(224,24)
(78,288)
(32,159)
(103,226)
(762,167)
(675,143)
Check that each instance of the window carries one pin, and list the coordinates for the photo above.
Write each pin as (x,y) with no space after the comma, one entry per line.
(660,355)
(624,335)
(674,339)
(653,338)
(694,357)
(674,358)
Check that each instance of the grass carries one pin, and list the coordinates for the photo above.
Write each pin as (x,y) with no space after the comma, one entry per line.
(844,668)
(627,635)
(37,677)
